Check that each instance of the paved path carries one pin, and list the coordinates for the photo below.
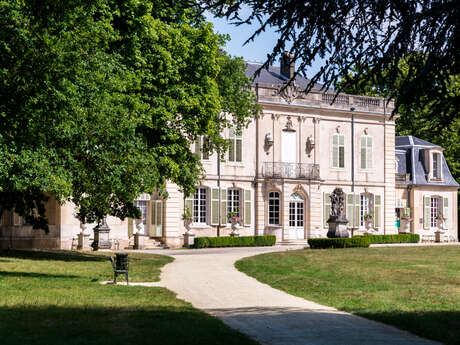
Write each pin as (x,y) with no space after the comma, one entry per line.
(208,279)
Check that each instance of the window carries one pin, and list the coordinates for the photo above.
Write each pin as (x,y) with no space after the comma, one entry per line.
(235,150)
(338,151)
(364,208)
(274,208)
(366,152)
(199,206)
(434,206)
(143,207)
(436,166)
(233,201)
(202,147)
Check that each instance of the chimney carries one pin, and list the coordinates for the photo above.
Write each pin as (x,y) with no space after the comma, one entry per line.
(287,66)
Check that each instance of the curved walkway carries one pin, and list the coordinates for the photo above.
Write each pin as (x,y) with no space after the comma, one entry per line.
(208,279)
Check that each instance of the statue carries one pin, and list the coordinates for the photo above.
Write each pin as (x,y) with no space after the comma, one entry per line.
(337,221)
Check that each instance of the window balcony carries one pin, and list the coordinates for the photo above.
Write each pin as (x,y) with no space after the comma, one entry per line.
(291,170)
(401,179)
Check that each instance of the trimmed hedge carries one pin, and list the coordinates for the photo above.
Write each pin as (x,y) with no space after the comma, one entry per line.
(234,241)
(401,238)
(325,243)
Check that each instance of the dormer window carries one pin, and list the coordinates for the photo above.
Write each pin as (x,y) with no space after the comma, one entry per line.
(436,166)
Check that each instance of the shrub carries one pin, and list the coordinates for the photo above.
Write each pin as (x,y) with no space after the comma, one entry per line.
(230,241)
(324,243)
(401,238)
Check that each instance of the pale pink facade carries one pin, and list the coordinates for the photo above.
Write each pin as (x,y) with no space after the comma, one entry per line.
(280,173)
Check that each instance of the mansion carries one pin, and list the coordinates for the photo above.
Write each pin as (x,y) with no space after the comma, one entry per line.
(279,172)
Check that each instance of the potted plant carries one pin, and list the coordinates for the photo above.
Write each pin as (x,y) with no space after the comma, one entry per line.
(187,218)
(440,220)
(405,224)
(235,221)
(368,220)
(189,238)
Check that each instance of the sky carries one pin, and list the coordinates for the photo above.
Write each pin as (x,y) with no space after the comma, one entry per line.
(255,51)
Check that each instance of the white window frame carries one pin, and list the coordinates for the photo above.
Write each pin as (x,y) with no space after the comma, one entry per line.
(369,152)
(434,210)
(234,201)
(336,147)
(274,208)
(364,207)
(236,145)
(200,206)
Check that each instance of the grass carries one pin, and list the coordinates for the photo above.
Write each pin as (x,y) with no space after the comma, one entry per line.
(413,288)
(54,297)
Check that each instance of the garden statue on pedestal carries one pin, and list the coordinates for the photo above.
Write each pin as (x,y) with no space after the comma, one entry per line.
(101,236)
(337,221)
(235,221)
(83,238)
(189,238)
(139,234)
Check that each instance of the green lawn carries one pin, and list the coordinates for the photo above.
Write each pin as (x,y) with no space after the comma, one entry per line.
(55,298)
(413,288)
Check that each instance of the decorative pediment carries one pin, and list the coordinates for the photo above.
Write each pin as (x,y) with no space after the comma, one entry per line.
(288,92)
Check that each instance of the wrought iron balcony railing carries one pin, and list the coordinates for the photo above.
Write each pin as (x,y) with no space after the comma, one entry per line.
(291,170)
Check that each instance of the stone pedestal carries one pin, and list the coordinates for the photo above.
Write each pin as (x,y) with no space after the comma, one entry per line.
(189,240)
(437,236)
(83,241)
(101,236)
(337,228)
(139,240)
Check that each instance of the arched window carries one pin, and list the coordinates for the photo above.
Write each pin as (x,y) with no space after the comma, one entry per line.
(274,208)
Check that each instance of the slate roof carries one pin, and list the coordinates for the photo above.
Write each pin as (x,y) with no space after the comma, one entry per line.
(410,152)
(273,76)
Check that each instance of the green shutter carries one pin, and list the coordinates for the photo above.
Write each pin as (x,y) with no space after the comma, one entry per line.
(357,206)
(369,153)
(350,209)
(445,211)
(215,206)
(326,208)
(159,220)
(426,212)
(377,210)
(247,207)
(130,227)
(335,156)
(223,206)
(239,150)
(198,147)
(363,152)
(188,204)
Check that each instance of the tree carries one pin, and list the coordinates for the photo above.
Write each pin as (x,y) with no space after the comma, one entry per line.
(372,36)
(100,101)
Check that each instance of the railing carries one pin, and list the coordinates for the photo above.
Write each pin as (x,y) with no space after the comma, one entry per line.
(340,99)
(401,178)
(291,170)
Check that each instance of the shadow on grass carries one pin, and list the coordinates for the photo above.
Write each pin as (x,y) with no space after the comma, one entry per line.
(323,327)
(34,275)
(115,326)
(54,255)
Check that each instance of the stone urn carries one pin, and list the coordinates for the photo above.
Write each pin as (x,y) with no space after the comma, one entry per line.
(189,238)
(83,238)
(235,221)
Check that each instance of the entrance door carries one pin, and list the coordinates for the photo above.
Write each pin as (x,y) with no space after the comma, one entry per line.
(296,217)
(288,153)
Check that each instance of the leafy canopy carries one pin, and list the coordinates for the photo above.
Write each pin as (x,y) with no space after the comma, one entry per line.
(100,101)
(373,35)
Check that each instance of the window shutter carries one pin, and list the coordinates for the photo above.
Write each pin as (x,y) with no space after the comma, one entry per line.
(130,227)
(198,146)
(369,152)
(153,215)
(159,220)
(188,204)
(357,206)
(247,207)
(350,209)
(326,208)
(335,151)
(377,208)
(426,212)
(205,148)
(215,206)
(223,206)
(239,150)
(445,211)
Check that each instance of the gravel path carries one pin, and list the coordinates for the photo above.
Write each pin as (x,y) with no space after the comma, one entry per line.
(208,279)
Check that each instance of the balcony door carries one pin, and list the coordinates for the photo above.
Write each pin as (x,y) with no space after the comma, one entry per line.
(296,217)
(288,153)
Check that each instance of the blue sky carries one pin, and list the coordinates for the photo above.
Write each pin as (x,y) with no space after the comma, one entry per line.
(255,51)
